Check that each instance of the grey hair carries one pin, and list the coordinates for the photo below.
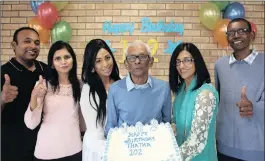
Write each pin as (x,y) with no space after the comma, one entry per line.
(138,43)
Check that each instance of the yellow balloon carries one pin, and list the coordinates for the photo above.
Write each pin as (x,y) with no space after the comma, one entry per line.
(210,14)
(124,47)
(59,5)
(153,44)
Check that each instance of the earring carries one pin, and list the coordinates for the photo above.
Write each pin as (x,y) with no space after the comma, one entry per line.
(93,70)
(52,67)
(178,80)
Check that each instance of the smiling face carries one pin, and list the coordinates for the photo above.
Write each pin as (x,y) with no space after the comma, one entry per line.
(103,63)
(240,35)
(27,47)
(62,61)
(185,65)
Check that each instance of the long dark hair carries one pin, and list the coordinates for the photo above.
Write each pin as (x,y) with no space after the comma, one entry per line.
(94,80)
(201,71)
(53,75)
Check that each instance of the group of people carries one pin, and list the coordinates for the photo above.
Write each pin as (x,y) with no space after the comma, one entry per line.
(46,108)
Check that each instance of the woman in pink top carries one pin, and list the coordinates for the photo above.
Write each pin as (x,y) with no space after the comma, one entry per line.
(56,101)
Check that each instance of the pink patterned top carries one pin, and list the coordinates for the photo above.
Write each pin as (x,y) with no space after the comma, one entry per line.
(59,135)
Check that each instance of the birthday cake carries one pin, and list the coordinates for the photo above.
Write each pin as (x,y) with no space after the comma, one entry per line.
(151,142)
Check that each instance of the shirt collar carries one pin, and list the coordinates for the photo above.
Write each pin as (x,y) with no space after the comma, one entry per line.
(130,85)
(20,67)
(249,59)
(17,65)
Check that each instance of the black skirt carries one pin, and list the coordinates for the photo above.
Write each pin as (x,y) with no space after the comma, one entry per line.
(75,157)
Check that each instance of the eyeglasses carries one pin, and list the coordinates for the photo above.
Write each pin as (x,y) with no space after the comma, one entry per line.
(241,31)
(186,61)
(132,58)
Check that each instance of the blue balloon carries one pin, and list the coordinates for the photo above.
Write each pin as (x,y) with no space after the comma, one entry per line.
(35,5)
(234,10)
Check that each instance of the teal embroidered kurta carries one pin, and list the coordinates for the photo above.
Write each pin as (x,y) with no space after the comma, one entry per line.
(194,113)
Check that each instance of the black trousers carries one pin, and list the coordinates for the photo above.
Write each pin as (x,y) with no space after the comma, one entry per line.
(75,157)
(17,157)
(17,144)
(222,157)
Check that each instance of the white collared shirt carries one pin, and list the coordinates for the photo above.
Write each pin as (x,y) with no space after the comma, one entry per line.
(130,85)
(249,59)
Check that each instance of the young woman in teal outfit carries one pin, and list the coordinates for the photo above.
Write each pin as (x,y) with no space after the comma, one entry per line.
(195,104)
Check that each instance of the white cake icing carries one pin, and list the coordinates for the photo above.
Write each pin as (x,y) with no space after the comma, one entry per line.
(154,142)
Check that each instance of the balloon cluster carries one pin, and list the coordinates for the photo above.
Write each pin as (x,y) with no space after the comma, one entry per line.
(211,14)
(47,23)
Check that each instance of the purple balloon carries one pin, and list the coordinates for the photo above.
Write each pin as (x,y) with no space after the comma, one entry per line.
(234,10)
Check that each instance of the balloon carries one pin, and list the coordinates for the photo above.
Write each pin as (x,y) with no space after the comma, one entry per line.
(221,4)
(234,10)
(254,27)
(219,32)
(47,15)
(59,5)
(61,31)
(209,15)
(35,5)
(44,33)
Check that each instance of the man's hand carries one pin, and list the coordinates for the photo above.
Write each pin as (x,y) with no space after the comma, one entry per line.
(9,92)
(245,105)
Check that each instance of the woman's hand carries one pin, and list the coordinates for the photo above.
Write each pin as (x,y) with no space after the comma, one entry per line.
(174,128)
(40,90)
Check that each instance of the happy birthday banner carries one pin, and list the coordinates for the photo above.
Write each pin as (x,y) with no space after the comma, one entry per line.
(214,15)
(147,26)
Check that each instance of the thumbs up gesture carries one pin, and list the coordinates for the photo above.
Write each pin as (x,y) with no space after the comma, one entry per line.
(245,105)
(9,92)
(40,90)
